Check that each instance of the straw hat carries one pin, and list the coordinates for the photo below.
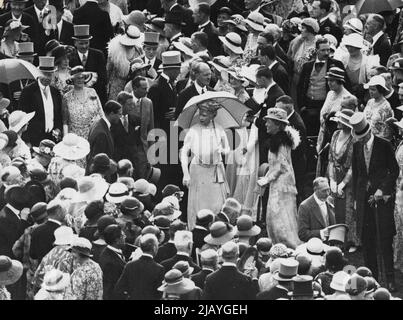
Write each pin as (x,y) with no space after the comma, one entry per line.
(142,186)
(233,42)
(10,271)
(175,283)
(55,280)
(377,80)
(288,270)
(360,125)
(256,21)
(343,117)
(64,236)
(117,193)
(245,228)
(132,37)
(171,59)
(72,147)
(82,32)
(335,73)
(277,114)
(238,21)
(26,49)
(220,233)
(13,24)
(77,71)
(90,188)
(166,209)
(236,74)
(151,39)
(19,119)
(355,25)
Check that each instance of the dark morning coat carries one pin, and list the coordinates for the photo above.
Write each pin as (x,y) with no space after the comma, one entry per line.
(187,15)
(200,278)
(166,251)
(281,77)
(42,239)
(169,263)
(329,27)
(26,20)
(383,48)
(41,37)
(299,154)
(214,44)
(101,140)
(66,34)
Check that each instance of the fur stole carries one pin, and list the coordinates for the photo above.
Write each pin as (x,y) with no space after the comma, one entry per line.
(288,137)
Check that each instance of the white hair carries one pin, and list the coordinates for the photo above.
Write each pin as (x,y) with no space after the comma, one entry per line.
(182,239)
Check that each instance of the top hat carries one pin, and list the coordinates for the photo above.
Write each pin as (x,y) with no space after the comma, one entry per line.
(174,18)
(171,59)
(151,38)
(26,49)
(288,270)
(360,125)
(335,73)
(277,114)
(47,64)
(245,228)
(343,117)
(64,236)
(220,233)
(337,232)
(82,32)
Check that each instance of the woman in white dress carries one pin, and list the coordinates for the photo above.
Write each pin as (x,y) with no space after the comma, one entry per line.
(205,143)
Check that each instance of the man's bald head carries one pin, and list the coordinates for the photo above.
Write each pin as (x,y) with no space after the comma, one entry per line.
(203,74)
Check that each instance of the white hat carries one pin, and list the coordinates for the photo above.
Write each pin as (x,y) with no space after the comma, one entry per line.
(377,80)
(339,281)
(233,41)
(18,119)
(117,192)
(354,40)
(354,24)
(55,280)
(90,189)
(72,147)
(256,21)
(64,236)
(132,37)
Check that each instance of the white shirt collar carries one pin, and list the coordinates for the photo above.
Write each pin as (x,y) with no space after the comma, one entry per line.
(165,77)
(200,228)
(173,6)
(115,249)
(14,17)
(14,210)
(318,201)
(38,12)
(151,62)
(207,268)
(183,253)
(324,19)
(107,122)
(41,86)
(147,255)
(269,87)
(272,64)
(291,114)
(204,24)
(376,37)
(55,221)
(199,88)
(370,141)
(59,26)
(229,264)
(82,54)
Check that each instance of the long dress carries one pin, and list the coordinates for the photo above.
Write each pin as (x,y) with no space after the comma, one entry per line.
(281,216)
(376,114)
(208,187)
(340,170)
(398,241)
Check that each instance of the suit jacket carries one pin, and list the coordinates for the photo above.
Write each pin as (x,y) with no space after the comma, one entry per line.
(228,283)
(156,64)
(237,7)
(285,61)
(382,174)
(214,43)
(26,20)
(41,37)
(281,77)
(305,77)
(198,239)
(140,280)
(310,219)
(187,15)
(273,294)
(329,27)
(11,229)
(169,263)
(185,95)
(100,24)
(200,278)
(42,239)
(112,266)
(101,140)
(299,154)
(31,100)
(95,63)
(382,48)
(66,34)
(166,251)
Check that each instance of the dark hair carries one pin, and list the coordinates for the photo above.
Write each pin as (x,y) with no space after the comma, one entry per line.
(325,4)
(95,209)
(202,37)
(269,52)
(268,36)
(379,19)
(136,82)
(334,260)
(381,69)
(68,182)
(321,40)
(264,72)
(381,90)
(225,10)
(112,106)
(123,96)
(285,99)
(112,233)
(204,8)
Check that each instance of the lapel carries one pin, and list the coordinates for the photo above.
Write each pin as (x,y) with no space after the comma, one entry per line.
(317,212)
(372,155)
(38,96)
(108,132)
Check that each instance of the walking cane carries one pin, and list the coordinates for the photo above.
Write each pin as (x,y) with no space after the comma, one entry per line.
(379,258)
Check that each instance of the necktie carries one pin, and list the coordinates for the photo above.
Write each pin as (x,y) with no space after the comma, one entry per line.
(45,92)
(57,32)
(41,16)
(84,61)
(324,213)
(126,122)
(203,90)
(366,155)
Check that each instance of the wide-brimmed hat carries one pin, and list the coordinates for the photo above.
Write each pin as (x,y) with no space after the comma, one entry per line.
(55,280)
(204,216)
(220,63)
(311,24)
(142,186)
(355,25)
(82,246)
(132,37)
(139,64)
(184,267)
(277,114)
(303,286)
(26,49)
(233,42)
(354,40)
(156,24)
(174,17)
(14,24)
(136,17)
(169,190)
(165,208)
(336,73)
(220,233)
(288,270)
(10,271)
(47,64)
(75,72)
(377,80)
(91,188)
(4,103)
(72,147)
(45,148)
(19,119)
(175,283)
(151,39)
(245,228)
(162,222)
(337,232)
(236,74)
(238,21)
(117,192)
(360,125)
(256,21)
(339,281)
(171,59)
(315,247)
(64,236)
(82,32)
(343,117)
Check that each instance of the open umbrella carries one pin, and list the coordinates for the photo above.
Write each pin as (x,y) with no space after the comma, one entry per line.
(15,69)
(230,114)
(376,6)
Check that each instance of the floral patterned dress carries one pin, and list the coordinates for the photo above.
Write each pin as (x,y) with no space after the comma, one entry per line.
(398,241)
(86,281)
(60,82)
(376,114)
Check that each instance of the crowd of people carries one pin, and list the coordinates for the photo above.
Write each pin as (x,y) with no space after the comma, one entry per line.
(218,150)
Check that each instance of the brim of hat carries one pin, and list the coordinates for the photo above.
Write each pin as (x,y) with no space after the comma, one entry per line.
(277,277)
(273,118)
(183,48)
(185,286)
(62,284)
(359,136)
(245,82)
(367,85)
(80,251)
(129,42)
(218,67)
(248,233)
(113,199)
(78,152)
(355,45)
(38,151)
(337,119)
(337,225)
(47,70)
(24,121)
(82,38)
(153,27)
(12,275)
(237,50)
(254,25)
(88,78)
(4,103)
(337,287)
(27,54)
(315,293)
(97,193)
(220,240)
(335,78)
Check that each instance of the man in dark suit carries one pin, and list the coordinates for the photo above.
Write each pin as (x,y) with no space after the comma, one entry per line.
(173,28)
(168,249)
(313,88)
(100,24)
(150,47)
(17,12)
(13,219)
(267,57)
(236,6)
(100,137)
(201,17)
(92,60)
(204,218)
(202,74)
(316,214)
(209,264)
(183,243)
(64,31)
(380,41)
(111,260)
(375,171)
(299,159)
(42,238)
(141,278)
(172,6)
(321,11)
(218,283)
(38,11)
(46,101)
